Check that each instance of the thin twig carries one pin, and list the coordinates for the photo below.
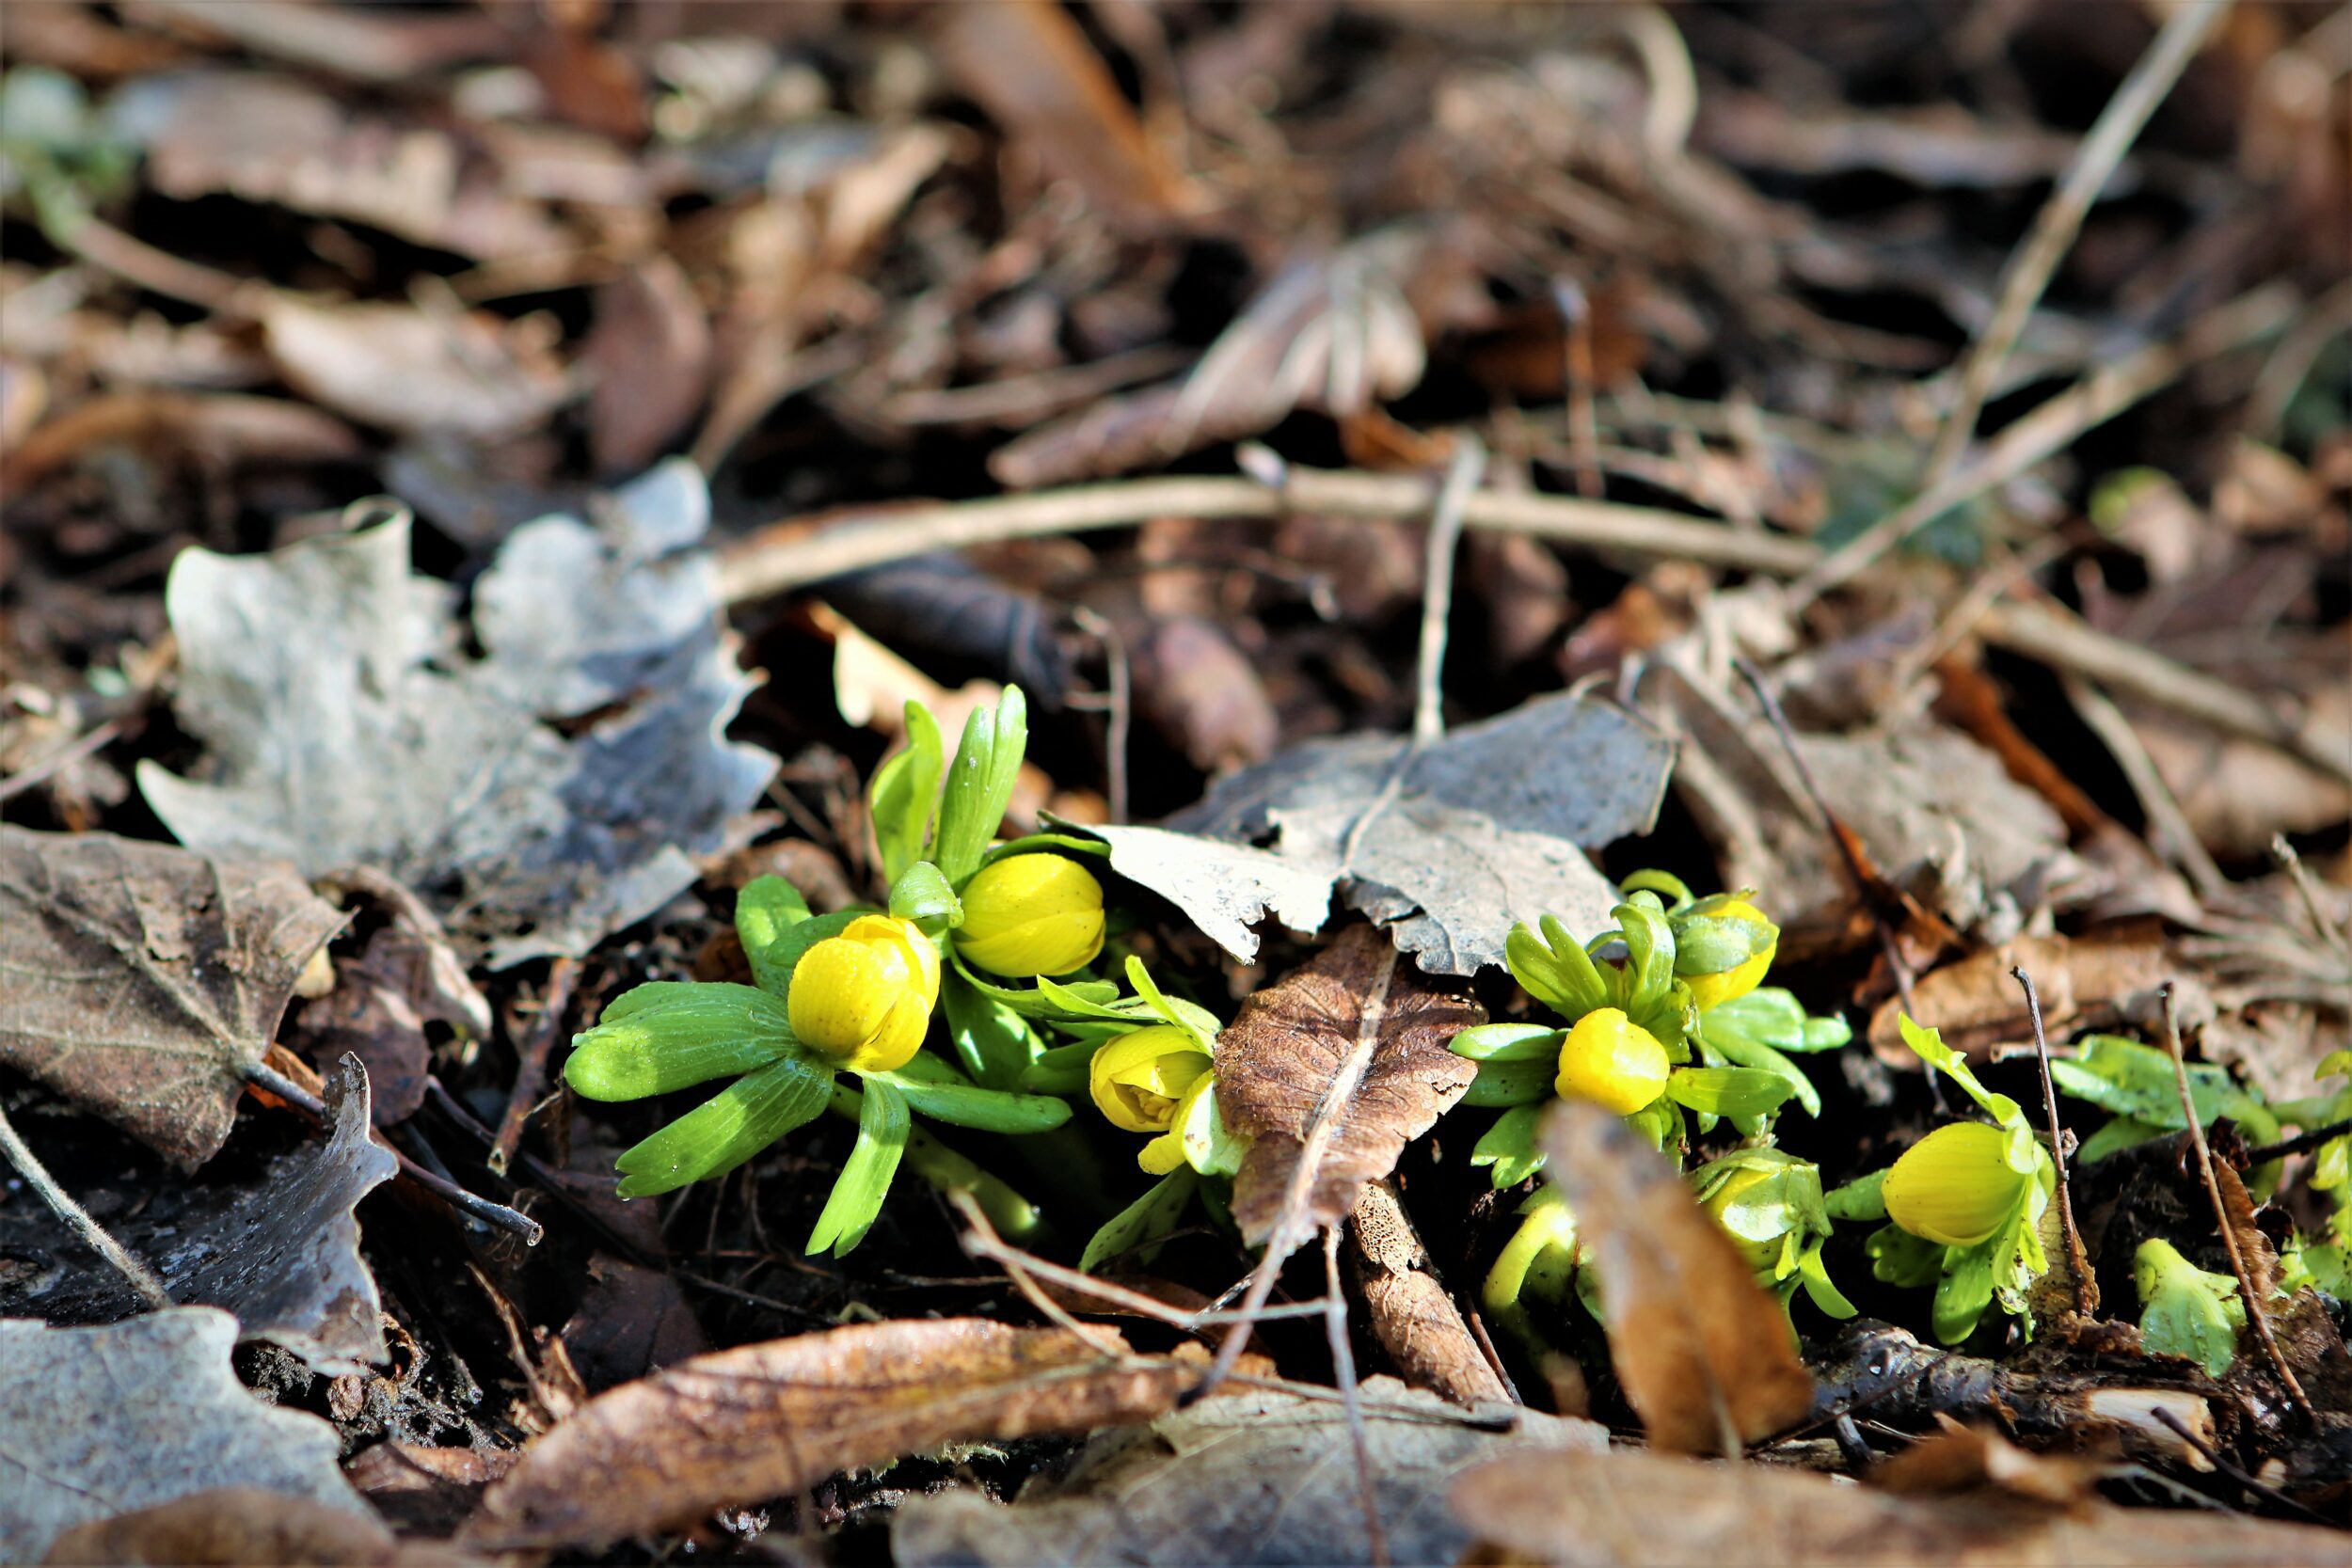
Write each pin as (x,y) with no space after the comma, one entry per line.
(2086,1288)
(2256,1312)
(79,1220)
(1437,599)
(2216,1458)
(981,1233)
(530,1065)
(1344,1374)
(2302,1143)
(1118,713)
(2167,819)
(449,1192)
(2061,219)
(2322,927)
(63,757)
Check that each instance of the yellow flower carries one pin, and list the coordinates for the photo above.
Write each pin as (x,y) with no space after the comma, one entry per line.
(1955,1185)
(1711,990)
(1612,1061)
(1763,1257)
(863,998)
(1031,915)
(1164,1153)
(1139,1079)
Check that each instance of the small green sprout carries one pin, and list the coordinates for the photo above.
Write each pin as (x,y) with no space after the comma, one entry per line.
(2185,1310)
(1965,1205)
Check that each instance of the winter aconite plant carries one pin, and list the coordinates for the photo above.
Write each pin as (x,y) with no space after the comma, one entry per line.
(1964,1205)
(1663,1017)
(843,1004)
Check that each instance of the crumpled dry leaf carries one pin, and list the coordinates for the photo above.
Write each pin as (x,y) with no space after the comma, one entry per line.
(540,796)
(1336,1066)
(239,1524)
(100,1421)
(143,980)
(1963,1458)
(277,1245)
(1410,1311)
(377,1011)
(1451,844)
(650,356)
(2089,982)
(1257,1476)
(1704,1354)
(766,1419)
(412,370)
(1627,1508)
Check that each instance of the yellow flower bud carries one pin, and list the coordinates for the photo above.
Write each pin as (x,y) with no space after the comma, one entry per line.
(1139,1079)
(1164,1153)
(863,998)
(1711,990)
(1031,915)
(1763,1257)
(1955,1185)
(1612,1061)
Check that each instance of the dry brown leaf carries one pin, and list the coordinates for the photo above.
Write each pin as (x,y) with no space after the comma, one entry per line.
(1411,1314)
(1205,696)
(770,1418)
(1030,66)
(1331,1072)
(382,999)
(240,1525)
(2094,982)
(650,356)
(220,428)
(1625,1509)
(1704,1354)
(412,371)
(143,980)
(1977,1459)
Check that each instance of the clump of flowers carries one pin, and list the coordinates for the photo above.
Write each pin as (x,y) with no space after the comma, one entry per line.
(1965,1206)
(852,995)
(1665,1018)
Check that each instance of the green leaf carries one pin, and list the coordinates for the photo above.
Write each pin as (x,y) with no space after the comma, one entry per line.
(943,1094)
(1509,1043)
(1713,944)
(729,1127)
(671,1035)
(1039,843)
(857,1196)
(995,1043)
(1898,1258)
(1197,1022)
(902,792)
(1149,1217)
(1728,1091)
(2119,1135)
(1742,1050)
(1963,1292)
(1928,1044)
(1771,1015)
(2185,1310)
(1060,1069)
(1511,1146)
(980,784)
(1817,1289)
(1511,1082)
(1555,969)
(1049,1001)
(1209,1149)
(765,911)
(1649,945)
(921,894)
(2137,1080)
(1858,1199)
(1671,887)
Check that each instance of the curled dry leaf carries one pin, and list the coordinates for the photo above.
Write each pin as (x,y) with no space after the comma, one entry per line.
(238,1524)
(1411,1312)
(650,357)
(1704,1354)
(100,1421)
(1451,843)
(1976,1459)
(2090,982)
(1331,1072)
(1256,1475)
(1625,1508)
(554,790)
(144,980)
(412,370)
(377,1011)
(766,1419)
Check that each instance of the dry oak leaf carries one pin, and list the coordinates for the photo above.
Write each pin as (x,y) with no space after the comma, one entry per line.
(140,980)
(1627,1508)
(1704,1354)
(1331,1072)
(99,1421)
(763,1420)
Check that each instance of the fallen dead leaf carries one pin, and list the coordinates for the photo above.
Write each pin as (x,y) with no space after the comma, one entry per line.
(766,1419)
(412,371)
(239,1525)
(1705,1354)
(1205,695)
(1331,1072)
(1252,1476)
(1411,1312)
(1977,1459)
(1627,1508)
(631,1321)
(405,975)
(145,979)
(649,356)
(546,794)
(425,1491)
(1451,843)
(2089,982)
(101,1421)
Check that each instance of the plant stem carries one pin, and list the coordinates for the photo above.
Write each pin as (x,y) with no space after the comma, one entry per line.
(950,1172)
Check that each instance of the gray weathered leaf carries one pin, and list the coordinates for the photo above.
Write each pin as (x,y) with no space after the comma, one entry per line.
(1259,1477)
(540,796)
(140,981)
(1451,844)
(276,1245)
(98,1421)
